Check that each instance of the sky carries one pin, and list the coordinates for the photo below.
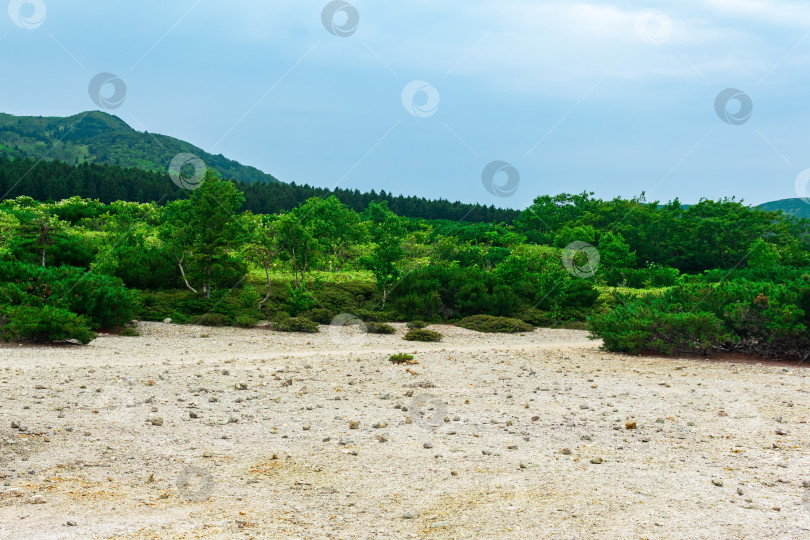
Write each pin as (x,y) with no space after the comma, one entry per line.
(488,101)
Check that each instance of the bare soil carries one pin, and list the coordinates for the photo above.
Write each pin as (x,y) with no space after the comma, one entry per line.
(193,432)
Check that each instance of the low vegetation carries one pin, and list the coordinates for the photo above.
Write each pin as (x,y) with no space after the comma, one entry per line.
(711,277)
(402,358)
(295,324)
(380,328)
(422,335)
(490,324)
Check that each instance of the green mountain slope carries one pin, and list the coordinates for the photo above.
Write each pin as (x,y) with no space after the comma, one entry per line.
(103,138)
(793,207)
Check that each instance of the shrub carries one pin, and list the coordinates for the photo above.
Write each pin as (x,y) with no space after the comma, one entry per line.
(402,358)
(129,331)
(295,324)
(379,328)
(103,300)
(246,321)
(490,324)
(764,318)
(210,319)
(422,335)
(416,325)
(43,324)
(320,315)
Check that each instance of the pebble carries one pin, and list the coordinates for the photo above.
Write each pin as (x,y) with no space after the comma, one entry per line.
(428,445)
(37,499)
(718,483)
(70,523)
(597,461)
(156,421)
(354,424)
(408,515)
(566,451)
(629,425)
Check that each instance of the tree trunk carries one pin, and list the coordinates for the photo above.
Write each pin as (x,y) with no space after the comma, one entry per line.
(269,286)
(182,273)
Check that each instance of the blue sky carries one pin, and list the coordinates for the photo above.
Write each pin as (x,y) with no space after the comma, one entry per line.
(611,97)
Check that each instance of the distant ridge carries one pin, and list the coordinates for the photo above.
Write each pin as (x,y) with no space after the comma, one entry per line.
(102,138)
(794,207)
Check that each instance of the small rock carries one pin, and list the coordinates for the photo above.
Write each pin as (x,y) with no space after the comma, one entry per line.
(306,427)
(629,425)
(428,445)
(241,386)
(156,421)
(354,424)
(453,473)
(597,461)
(70,523)
(208,454)
(739,491)
(167,320)
(566,451)
(486,452)
(192,414)
(381,438)
(408,515)
(781,432)
(718,483)
(37,499)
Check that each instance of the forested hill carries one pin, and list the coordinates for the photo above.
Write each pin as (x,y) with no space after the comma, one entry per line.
(98,137)
(794,207)
(53,180)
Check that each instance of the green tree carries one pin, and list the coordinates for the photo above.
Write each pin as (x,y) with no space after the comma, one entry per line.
(386,230)
(204,230)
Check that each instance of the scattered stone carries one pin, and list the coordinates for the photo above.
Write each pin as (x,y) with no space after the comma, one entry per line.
(354,424)
(208,454)
(486,452)
(566,451)
(241,386)
(718,483)
(156,421)
(428,445)
(597,461)
(629,425)
(70,523)
(37,499)
(192,415)
(408,515)
(167,320)
(306,427)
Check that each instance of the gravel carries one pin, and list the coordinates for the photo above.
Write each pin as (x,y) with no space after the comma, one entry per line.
(532,436)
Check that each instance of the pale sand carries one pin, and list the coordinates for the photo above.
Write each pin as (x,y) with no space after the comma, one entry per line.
(697,421)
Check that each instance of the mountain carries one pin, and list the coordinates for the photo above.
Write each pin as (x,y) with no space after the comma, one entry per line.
(102,138)
(794,207)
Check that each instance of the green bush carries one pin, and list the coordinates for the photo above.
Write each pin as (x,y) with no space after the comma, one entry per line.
(129,331)
(416,325)
(401,358)
(380,328)
(210,319)
(103,300)
(320,315)
(295,324)
(246,321)
(422,335)
(43,324)
(490,324)
(763,318)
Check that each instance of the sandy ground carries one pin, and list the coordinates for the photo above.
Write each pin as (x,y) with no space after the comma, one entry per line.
(192,432)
